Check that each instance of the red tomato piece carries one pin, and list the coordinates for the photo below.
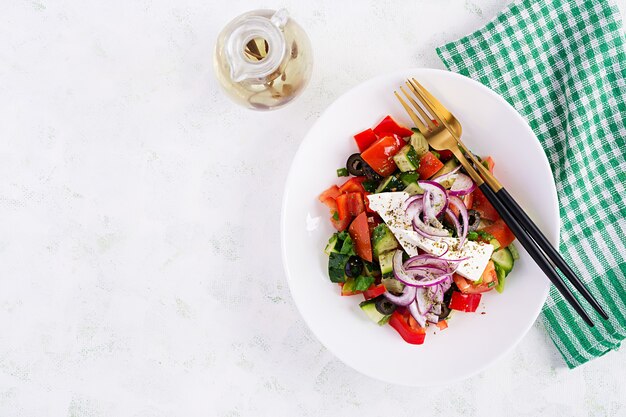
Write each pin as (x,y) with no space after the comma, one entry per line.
(410,334)
(380,155)
(468,287)
(360,234)
(353,185)
(365,139)
(388,126)
(331,192)
(464,302)
(341,225)
(367,203)
(500,231)
(374,291)
(429,165)
(483,206)
(356,205)
(443,324)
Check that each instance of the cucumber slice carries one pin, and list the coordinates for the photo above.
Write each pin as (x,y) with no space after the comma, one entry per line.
(413,189)
(369,308)
(386,262)
(495,243)
(503,259)
(334,245)
(390,183)
(501,278)
(514,251)
(406,159)
(409,177)
(419,143)
(383,240)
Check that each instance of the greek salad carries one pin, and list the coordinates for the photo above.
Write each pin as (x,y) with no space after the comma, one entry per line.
(415,237)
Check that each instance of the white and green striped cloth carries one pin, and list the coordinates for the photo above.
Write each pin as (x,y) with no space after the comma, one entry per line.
(562,65)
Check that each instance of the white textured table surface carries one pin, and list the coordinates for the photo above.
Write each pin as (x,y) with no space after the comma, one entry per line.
(140,270)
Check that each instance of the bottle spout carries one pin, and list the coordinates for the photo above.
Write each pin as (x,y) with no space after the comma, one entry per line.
(280,18)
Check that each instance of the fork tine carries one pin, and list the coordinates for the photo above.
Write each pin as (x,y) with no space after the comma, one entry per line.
(432,99)
(417,107)
(425,102)
(418,123)
(424,115)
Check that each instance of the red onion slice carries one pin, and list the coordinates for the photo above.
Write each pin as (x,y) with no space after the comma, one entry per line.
(413,211)
(435,199)
(424,276)
(406,298)
(445,177)
(462,185)
(458,203)
(432,318)
(424,304)
(446,284)
(421,320)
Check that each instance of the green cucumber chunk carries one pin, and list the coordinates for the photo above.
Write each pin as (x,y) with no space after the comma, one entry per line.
(369,307)
(391,183)
(419,143)
(383,240)
(386,262)
(503,259)
(406,159)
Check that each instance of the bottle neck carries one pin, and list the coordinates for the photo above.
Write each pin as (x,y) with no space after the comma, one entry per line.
(256,46)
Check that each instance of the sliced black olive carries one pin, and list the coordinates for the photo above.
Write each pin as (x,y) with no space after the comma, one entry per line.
(354,266)
(370,173)
(355,165)
(445,311)
(384,306)
(474,220)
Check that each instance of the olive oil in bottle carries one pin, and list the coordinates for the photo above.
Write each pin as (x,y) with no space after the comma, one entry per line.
(263,59)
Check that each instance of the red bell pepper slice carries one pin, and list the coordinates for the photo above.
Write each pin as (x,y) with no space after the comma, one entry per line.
(410,334)
(360,234)
(429,165)
(464,302)
(343,210)
(380,155)
(365,139)
(353,185)
(374,291)
(388,126)
(445,155)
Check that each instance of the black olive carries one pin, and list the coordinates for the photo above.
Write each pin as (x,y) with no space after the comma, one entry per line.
(473,220)
(445,312)
(354,266)
(384,306)
(355,165)
(370,173)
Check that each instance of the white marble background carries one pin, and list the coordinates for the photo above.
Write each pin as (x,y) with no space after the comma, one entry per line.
(140,270)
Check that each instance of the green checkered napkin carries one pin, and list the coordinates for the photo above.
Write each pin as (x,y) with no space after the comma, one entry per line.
(562,65)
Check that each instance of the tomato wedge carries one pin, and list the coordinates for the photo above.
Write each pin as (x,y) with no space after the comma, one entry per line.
(429,165)
(388,126)
(365,139)
(443,324)
(483,206)
(500,231)
(414,335)
(490,163)
(331,192)
(488,277)
(380,155)
(360,234)
(374,291)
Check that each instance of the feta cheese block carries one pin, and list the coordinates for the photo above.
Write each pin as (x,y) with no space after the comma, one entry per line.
(391,208)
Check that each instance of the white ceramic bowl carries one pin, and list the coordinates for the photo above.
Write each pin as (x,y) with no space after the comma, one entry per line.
(473,340)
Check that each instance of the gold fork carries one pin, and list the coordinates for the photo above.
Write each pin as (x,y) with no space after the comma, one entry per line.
(444,133)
